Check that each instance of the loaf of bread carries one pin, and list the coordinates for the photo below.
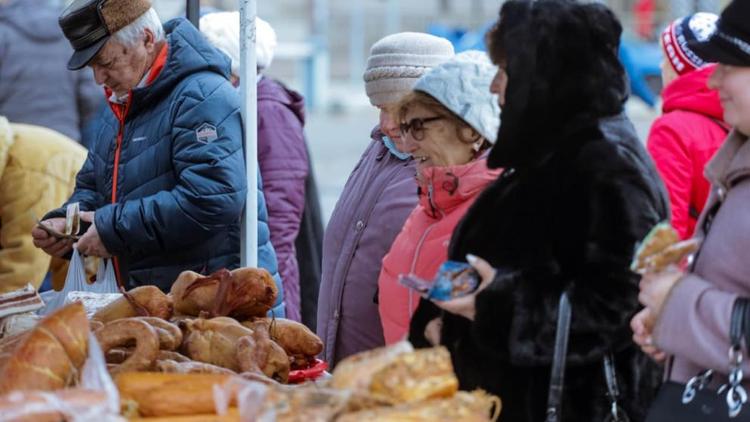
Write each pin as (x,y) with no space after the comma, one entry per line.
(232,415)
(51,355)
(162,394)
(191,367)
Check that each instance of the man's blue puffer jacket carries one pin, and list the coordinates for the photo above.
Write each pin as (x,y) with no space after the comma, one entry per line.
(181,183)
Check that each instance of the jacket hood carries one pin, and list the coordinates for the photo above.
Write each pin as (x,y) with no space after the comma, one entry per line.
(271,90)
(441,189)
(6,141)
(189,53)
(690,92)
(33,18)
(562,67)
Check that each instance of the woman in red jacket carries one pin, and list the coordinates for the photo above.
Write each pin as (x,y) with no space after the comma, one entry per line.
(448,124)
(691,129)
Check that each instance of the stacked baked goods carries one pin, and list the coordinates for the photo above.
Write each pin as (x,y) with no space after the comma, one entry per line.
(208,351)
(212,325)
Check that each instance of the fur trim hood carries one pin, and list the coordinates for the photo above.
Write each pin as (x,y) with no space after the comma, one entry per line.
(561,60)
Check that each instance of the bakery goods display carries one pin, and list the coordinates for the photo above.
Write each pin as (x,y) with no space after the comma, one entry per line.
(209,351)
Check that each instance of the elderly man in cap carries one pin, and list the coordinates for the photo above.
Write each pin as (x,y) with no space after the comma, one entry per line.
(165,186)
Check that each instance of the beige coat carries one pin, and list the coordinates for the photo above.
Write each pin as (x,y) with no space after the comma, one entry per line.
(38,167)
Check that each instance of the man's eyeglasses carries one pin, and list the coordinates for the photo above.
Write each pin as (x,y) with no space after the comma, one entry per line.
(415,127)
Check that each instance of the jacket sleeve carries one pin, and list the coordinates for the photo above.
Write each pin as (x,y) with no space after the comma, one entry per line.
(211,185)
(707,310)
(20,261)
(516,315)
(85,191)
(667,148)
(283,164)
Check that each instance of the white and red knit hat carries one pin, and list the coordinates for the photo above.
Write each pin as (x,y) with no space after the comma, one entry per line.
(696,28)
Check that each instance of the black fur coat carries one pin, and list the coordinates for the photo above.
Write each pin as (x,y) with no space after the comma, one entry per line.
(578,192)
(569,223)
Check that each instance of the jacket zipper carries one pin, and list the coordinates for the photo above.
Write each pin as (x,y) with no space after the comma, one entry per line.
(121,115)
(418,249)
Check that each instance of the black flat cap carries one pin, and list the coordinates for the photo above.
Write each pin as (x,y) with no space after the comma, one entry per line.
(88,24)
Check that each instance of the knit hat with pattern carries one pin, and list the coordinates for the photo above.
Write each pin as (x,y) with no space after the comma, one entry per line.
(397,61)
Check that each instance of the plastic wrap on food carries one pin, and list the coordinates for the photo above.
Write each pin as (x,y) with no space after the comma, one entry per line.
(355,372)
(18,323)
(419,375)
(306,403)
(92,302)
(20,301)
(463,406)
(662,249)
(75,405)
(95,400)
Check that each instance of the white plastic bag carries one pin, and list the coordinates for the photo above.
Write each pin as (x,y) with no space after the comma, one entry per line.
(106,281)
(75,281)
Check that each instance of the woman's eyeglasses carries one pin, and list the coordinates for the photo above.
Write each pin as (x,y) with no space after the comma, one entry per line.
(415,127)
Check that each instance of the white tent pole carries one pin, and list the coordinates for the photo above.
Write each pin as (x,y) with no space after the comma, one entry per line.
(249,92)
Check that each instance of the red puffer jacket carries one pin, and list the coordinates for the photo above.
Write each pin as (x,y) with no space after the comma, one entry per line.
(446,193)
(682,141)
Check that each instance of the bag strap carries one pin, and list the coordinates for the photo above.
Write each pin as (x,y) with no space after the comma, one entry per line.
(557,377)
(736,396)
(616,413)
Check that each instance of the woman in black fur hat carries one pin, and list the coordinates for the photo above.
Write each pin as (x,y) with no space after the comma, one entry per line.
(577,193)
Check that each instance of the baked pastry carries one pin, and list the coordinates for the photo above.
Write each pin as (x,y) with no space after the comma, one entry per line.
(51,355)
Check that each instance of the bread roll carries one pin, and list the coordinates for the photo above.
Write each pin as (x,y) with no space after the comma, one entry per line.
(51,355)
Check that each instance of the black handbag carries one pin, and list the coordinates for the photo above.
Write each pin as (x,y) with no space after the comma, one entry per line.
(693,402)
(557,375)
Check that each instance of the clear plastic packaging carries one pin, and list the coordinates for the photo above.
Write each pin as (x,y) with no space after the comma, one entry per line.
(95,400)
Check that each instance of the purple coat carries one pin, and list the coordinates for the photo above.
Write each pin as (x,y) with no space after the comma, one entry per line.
(694,324)
(377,199)
(282,157)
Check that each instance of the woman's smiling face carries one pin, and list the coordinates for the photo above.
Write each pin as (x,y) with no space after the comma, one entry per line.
(733,84)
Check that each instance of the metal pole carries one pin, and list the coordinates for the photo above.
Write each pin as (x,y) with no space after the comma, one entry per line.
(249,92)
(193,9)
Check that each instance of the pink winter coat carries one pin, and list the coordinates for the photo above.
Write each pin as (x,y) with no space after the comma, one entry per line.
(445,194)
(682,141)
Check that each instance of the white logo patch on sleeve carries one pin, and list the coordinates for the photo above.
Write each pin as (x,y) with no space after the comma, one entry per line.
(206,133)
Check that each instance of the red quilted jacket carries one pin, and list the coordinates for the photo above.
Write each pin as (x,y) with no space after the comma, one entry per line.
(683,140)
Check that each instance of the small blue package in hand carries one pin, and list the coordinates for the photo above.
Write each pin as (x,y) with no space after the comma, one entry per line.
(454,279)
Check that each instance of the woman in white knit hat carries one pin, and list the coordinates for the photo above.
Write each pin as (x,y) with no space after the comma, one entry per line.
(282,153)
(448,124)
(376,201)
